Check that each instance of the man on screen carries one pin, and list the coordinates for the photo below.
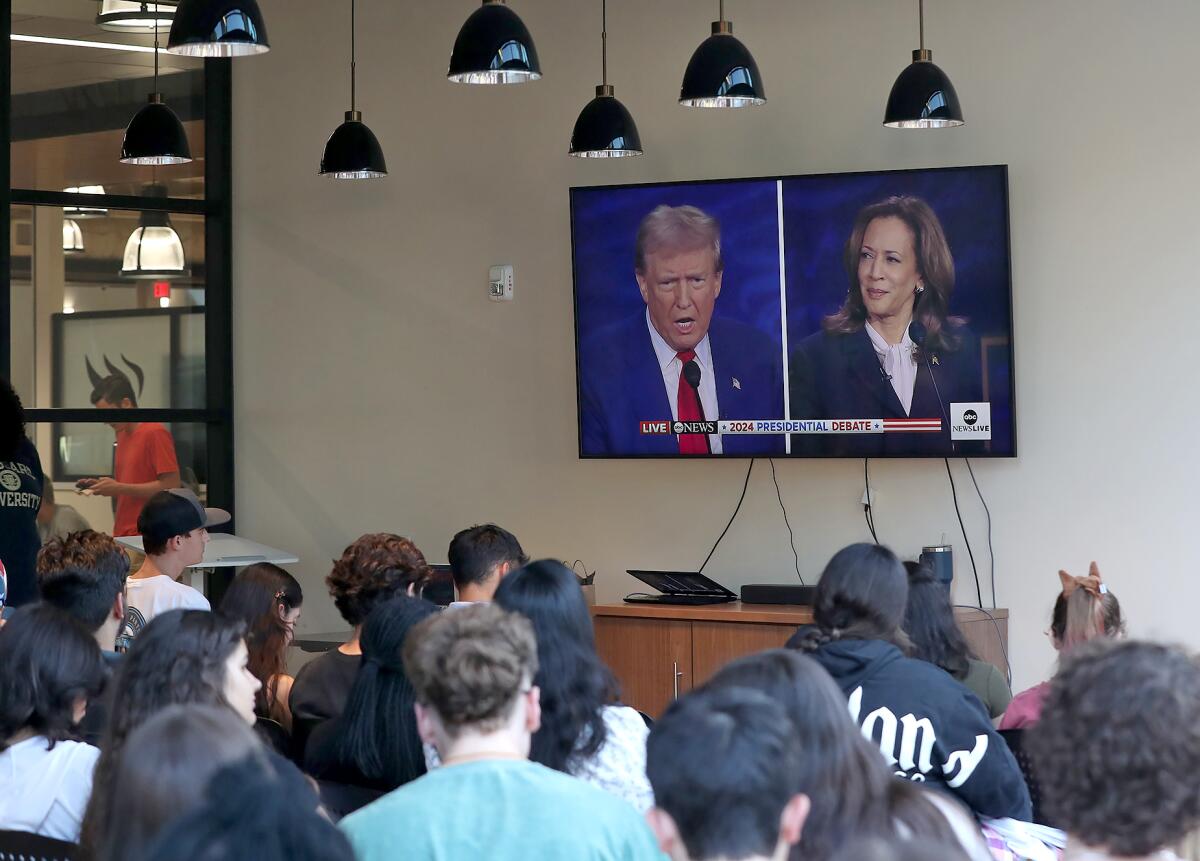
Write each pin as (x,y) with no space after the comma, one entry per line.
(675,361)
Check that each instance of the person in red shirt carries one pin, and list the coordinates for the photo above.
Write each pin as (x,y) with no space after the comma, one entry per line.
(144,462)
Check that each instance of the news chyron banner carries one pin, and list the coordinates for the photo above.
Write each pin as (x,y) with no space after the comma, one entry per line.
(793,426)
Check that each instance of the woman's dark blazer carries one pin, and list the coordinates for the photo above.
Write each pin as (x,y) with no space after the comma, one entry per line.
(836,376)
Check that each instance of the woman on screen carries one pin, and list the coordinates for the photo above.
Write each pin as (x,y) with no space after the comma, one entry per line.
(892,351)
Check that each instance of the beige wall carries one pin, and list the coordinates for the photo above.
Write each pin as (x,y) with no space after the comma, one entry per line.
(379,389)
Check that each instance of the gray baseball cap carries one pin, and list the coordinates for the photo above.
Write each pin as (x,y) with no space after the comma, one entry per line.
(177,512)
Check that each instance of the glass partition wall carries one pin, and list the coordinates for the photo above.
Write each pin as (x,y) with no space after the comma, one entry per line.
(113,268)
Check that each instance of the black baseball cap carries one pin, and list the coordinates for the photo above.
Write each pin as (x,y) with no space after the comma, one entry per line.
(176,512)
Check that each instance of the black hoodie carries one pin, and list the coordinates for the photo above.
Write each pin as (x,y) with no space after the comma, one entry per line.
(929,727)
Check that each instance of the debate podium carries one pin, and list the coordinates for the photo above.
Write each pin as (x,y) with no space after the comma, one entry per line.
(660,651)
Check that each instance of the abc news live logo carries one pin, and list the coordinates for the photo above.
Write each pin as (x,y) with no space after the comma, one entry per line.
(661,427)
(971,421)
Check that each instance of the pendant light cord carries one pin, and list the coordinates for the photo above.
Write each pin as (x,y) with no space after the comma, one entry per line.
(604,41)
(156,54)
(353,60)
(921,21)
(721,7)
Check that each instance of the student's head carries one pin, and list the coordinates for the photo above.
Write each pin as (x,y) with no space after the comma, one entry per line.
(267,599)
(852,790)
(49,668)
(861,595)
(12,419)
(723,765)
(174,523)
(929,622)
(480,556)
(1084,609)
(167,763)
(573,681)
(84,576)
(472,671)
(378,728)
(114,392)
(374,568)
(1118,746)
(269,807)
(182,657)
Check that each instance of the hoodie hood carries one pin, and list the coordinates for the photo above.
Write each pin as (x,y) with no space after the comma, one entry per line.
(853,662)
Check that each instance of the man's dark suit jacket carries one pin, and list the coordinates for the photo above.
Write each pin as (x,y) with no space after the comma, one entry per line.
(835,376)
(621,385)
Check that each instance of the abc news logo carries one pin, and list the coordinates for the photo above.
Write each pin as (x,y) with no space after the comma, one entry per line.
(971,421)
(662,427)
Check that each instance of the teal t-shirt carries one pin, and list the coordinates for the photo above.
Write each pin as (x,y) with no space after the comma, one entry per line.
(501,810)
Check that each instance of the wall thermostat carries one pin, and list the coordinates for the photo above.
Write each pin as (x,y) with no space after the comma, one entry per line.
(500,283)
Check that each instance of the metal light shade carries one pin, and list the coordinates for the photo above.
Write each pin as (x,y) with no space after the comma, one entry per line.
(722,73)
(134,16)
(353,151)
(494,47)
(218,28)
(80,212)
(605,129)
(72,237)
(153,250)
(155,136)
(923,97)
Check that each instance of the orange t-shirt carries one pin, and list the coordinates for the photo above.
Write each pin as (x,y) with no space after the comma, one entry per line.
(143,454)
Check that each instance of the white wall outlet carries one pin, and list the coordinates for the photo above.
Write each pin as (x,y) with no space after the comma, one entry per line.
(500,283)
(869,496)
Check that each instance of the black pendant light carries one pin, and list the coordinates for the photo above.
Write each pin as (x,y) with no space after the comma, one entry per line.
(134,16)
(605,129)
(353,151)
(923,97)
(218,28)
(155,135)
(722,73)
(494,47)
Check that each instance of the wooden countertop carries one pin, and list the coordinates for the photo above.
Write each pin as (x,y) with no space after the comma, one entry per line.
(736,611)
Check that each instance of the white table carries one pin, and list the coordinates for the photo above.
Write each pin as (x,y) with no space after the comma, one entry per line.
(226,551)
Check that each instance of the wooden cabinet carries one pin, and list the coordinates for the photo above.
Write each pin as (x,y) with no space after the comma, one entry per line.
(658,652)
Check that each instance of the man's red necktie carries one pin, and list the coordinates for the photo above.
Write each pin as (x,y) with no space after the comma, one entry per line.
(690,410)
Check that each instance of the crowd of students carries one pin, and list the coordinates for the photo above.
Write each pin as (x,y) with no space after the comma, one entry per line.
(492,729)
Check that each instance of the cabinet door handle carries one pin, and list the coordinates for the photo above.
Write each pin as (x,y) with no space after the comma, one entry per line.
(675,669)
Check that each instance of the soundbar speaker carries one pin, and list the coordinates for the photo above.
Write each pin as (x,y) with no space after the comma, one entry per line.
(778,593)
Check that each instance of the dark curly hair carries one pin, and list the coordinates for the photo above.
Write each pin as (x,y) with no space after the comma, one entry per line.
(179,658)
(261,595)
(1117,749)
(12,419)
(374,568)
(574,682)
(82,575)
(50,662)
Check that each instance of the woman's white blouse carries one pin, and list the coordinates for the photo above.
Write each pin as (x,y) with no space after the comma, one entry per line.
(899,363)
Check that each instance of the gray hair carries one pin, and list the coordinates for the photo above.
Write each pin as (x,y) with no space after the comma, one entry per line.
(682,228)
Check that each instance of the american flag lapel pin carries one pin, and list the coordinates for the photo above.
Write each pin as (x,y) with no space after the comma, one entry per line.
(737,384)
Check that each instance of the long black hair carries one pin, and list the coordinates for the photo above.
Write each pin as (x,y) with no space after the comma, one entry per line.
(50,662)
(852,791)
(575,685)
(266,811)
(929,623)
(861,595)
(171,758)
(12,419)
(378,730)
(179,658)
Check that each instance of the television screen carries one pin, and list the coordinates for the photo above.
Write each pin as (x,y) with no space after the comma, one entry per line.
(838,315)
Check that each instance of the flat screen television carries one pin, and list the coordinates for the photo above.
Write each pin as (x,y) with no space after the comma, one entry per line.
(834,315)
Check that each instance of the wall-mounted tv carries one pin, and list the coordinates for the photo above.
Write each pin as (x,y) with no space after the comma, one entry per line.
(835,315)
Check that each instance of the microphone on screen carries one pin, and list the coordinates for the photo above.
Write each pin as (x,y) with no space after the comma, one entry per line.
(691,373)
